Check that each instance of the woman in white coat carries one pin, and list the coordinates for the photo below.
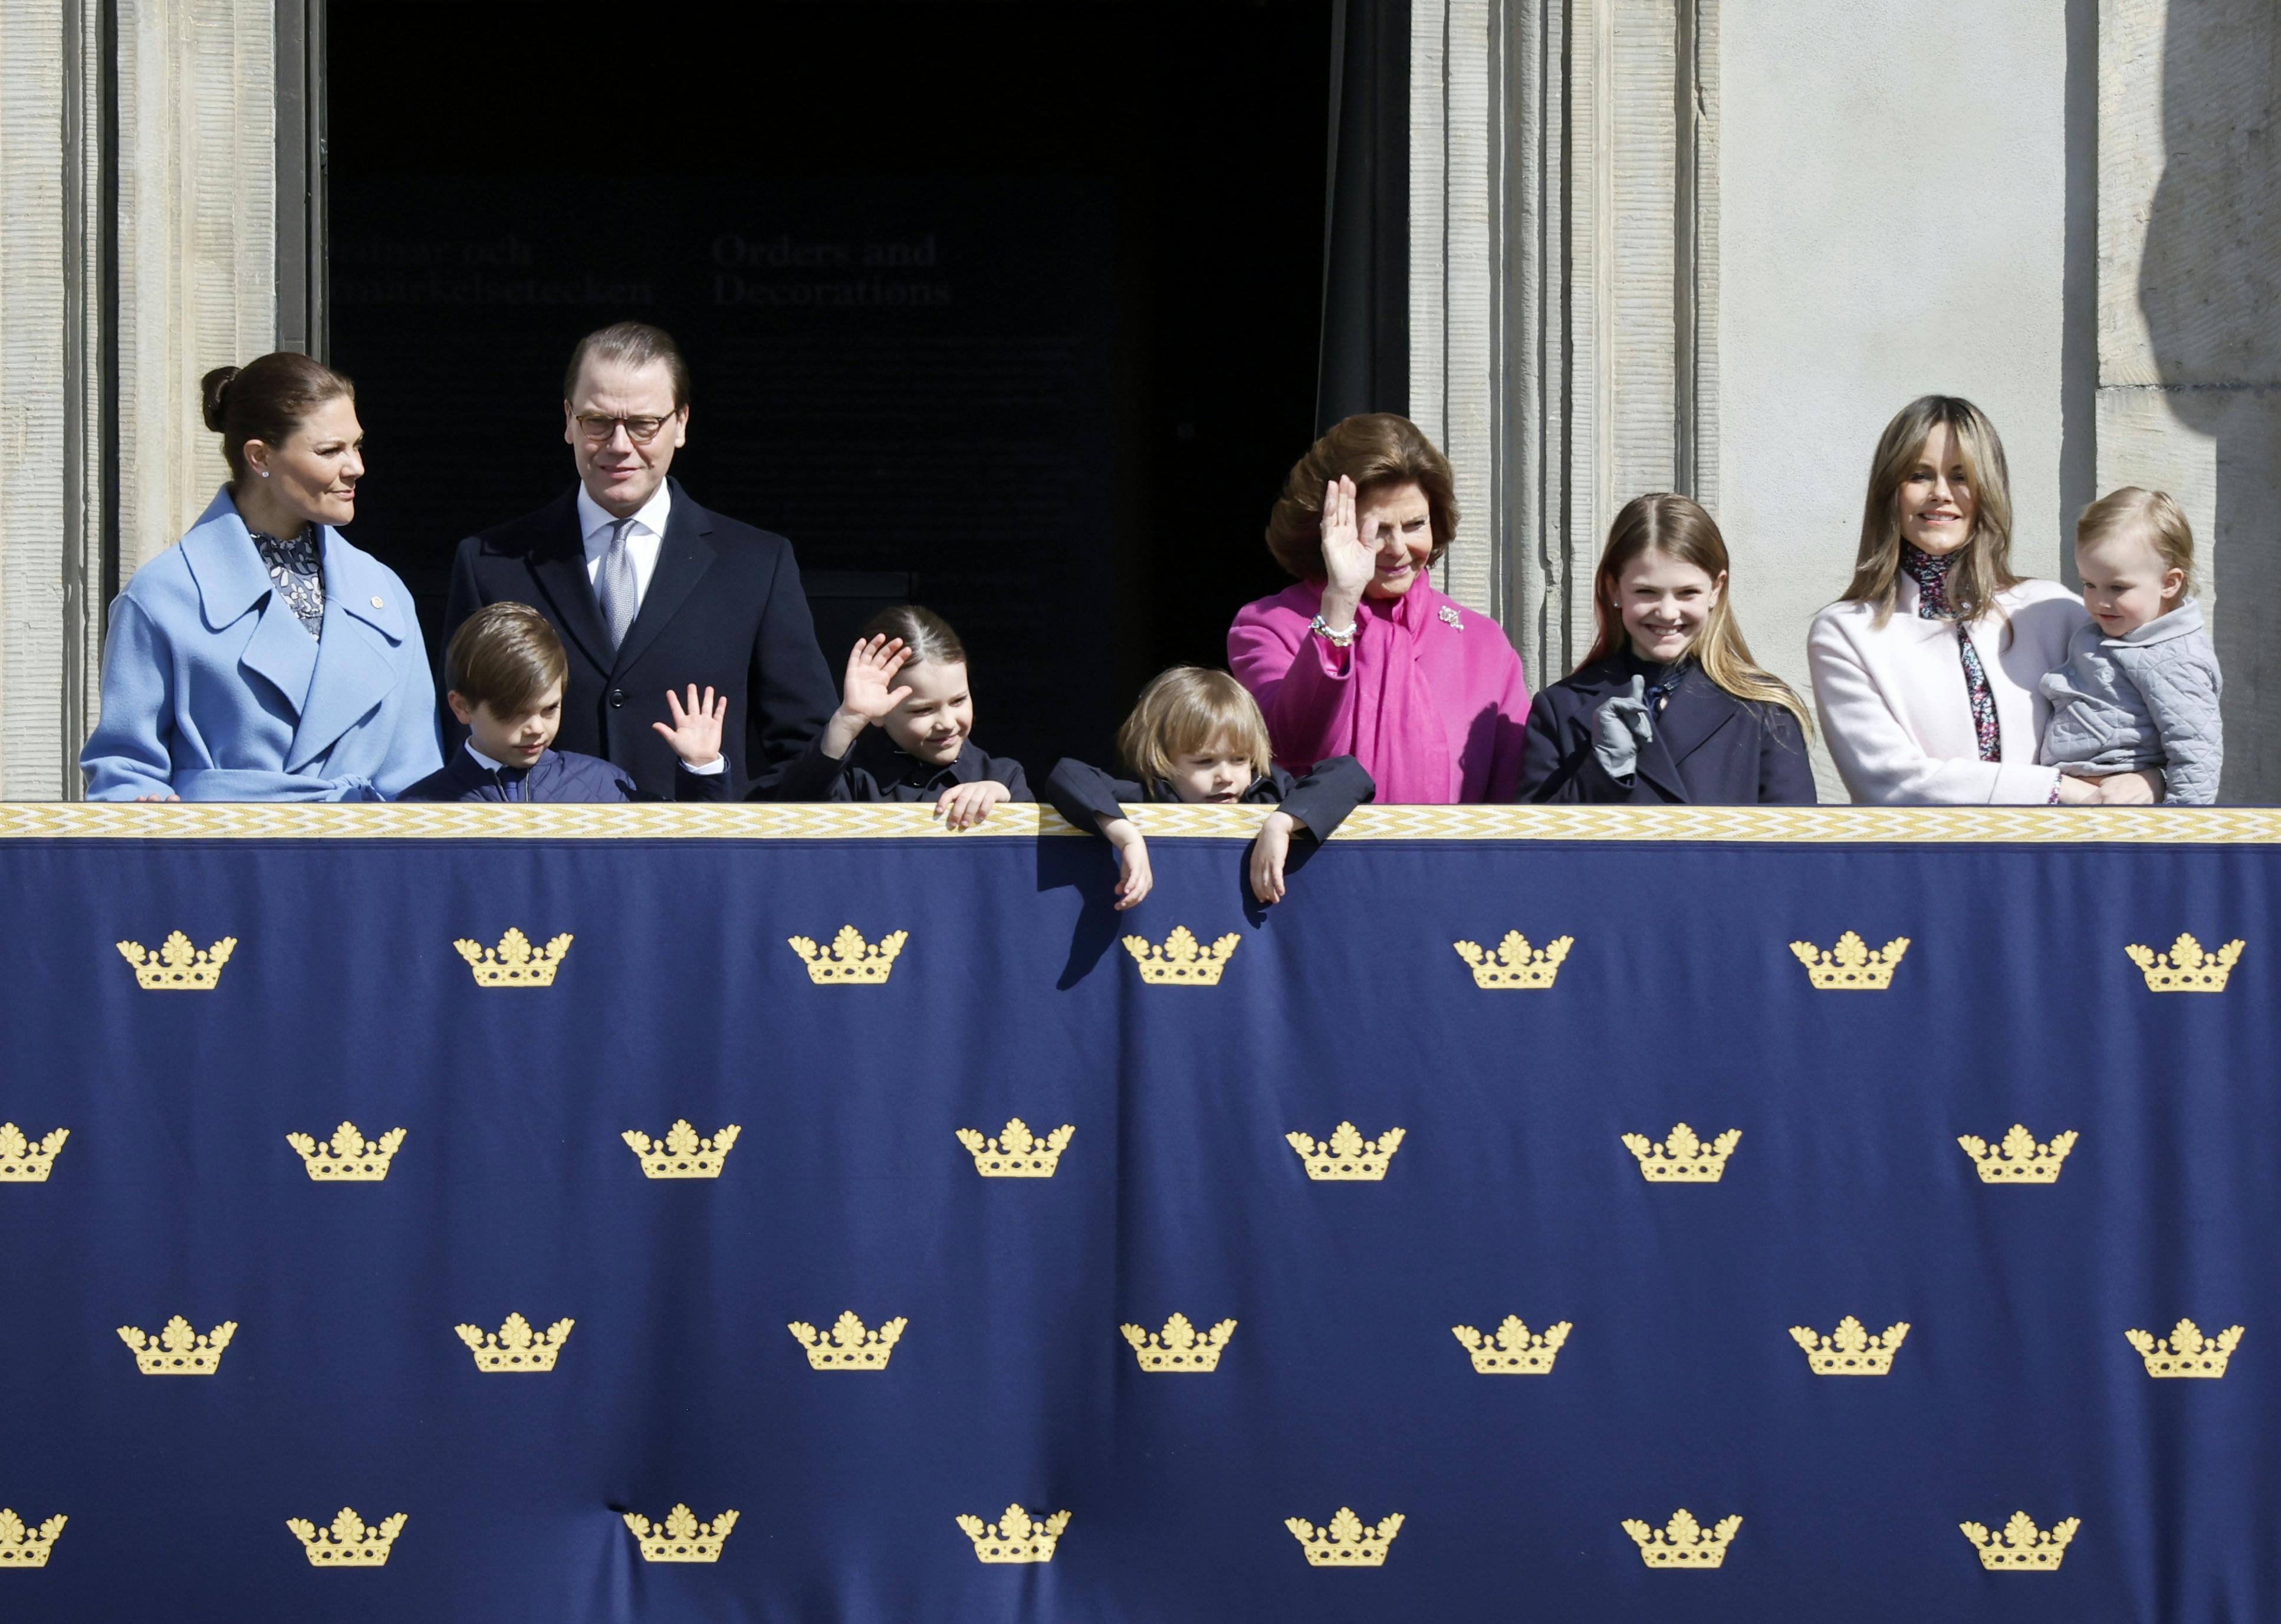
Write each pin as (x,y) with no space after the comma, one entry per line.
(1925,673)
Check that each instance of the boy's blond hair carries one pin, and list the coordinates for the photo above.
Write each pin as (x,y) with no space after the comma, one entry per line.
(2152,513)
(1186,708)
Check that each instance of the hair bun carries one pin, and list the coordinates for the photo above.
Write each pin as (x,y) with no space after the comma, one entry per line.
(213,389)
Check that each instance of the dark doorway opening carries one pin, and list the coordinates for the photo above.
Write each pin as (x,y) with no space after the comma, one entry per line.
(1009,309)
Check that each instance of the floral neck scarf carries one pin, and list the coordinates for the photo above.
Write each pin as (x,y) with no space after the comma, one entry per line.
(298,571)
(1930,572)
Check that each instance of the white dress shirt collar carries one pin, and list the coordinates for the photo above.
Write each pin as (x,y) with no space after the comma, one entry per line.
(643,536)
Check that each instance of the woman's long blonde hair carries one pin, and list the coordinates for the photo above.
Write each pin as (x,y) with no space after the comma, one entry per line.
(1679,529)
(1984,564)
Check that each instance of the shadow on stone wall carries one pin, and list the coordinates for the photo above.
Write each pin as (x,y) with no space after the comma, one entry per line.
(2209,288)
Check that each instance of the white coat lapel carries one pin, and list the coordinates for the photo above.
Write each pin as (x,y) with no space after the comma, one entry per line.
(356,659)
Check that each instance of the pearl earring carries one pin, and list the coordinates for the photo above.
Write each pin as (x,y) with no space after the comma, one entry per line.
(265,473)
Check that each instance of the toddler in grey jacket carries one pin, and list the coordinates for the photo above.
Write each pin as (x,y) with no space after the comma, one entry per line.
(2140,686)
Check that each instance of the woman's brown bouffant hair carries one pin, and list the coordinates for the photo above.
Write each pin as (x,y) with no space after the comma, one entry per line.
(266,399)
(1375,448)
(1984,564)
(1678,528)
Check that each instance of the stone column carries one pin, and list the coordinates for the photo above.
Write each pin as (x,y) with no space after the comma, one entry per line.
(197,268)
(1563,311)
(50,522)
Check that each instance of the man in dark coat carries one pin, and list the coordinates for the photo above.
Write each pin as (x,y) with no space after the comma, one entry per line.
(649,591)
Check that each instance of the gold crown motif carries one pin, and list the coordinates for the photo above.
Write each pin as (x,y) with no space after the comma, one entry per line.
(851,960)
(1017,1152)
(347,1542)
(1850,967)
(848,1345)
(681,1154)
(178,967)
(1347,1154)
(516,1350)
(1513,1351)
(1015,1536)
(1683,1158)
(23,1547)
(680,1537)
(1850,1351)
(1346,1541)
(2186,1351)
(2019,1159)
(27,1160)
(514,961)
(1681,1543)
(2185,968)
(1514,963)
(2022,1548)
(178,1350)
(348,1157)
(1178,1350)
(1182,961)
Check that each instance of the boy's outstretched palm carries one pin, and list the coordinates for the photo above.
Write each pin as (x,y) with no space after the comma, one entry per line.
(695,734)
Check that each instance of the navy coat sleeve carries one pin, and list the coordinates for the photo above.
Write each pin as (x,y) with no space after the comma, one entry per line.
(1009,772)
(809,776)
(1085,795)
(699,786)
(1785,773)
(792,692)
(1328,791)
(1556,762)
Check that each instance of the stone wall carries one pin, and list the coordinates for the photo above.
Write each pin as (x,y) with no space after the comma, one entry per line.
(1894,196)
(2189,347)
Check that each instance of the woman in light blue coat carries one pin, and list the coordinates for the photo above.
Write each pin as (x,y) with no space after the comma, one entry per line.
(265,658)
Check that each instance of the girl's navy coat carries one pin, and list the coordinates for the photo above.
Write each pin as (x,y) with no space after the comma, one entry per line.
(874,770)
(1710,748)
(1321,800)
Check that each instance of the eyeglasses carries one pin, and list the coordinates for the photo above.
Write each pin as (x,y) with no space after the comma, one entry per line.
(641,430)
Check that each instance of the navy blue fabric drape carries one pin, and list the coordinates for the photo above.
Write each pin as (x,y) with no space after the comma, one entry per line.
(1342,1385)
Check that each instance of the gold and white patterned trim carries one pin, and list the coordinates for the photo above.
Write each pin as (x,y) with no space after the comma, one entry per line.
(824,821)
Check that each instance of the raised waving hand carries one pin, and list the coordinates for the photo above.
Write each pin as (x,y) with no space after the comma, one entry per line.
(866,692)
(1349,561)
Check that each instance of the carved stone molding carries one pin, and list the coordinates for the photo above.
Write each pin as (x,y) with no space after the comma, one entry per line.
(1564,285)
(197,212)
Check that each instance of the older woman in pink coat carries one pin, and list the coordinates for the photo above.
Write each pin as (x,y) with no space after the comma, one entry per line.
(1364,657)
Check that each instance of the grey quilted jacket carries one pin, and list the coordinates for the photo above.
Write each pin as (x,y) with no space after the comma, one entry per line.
(2148,698)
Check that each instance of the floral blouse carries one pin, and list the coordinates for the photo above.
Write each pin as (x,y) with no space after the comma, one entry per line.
(297,571)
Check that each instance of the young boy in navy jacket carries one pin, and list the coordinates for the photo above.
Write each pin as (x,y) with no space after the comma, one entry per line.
(1197,737)
(504,670)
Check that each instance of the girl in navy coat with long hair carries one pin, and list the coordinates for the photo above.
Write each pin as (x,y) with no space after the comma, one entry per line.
(1668,707)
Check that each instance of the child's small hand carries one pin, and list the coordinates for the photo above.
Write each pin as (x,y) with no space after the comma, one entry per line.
(2129,789)
(1133,858)
(695,734)
(964,805)
(1267,855)
(868,692)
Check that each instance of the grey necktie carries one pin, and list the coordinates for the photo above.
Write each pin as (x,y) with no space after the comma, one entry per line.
(615,589)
